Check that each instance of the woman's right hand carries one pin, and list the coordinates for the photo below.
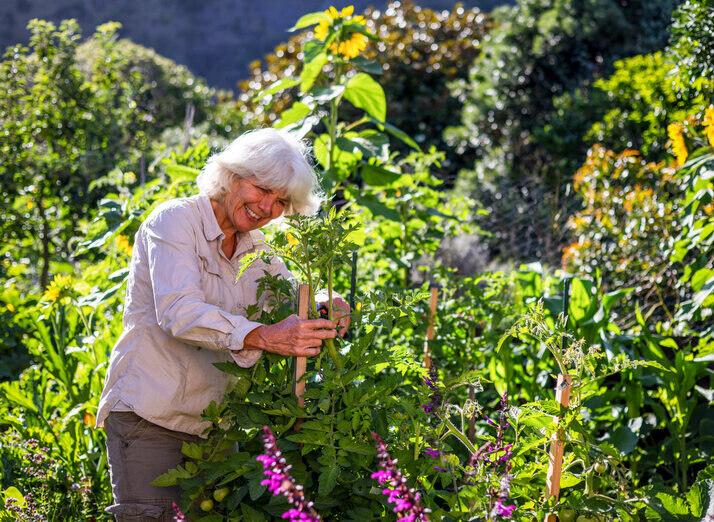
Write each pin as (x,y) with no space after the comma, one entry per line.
(292,336)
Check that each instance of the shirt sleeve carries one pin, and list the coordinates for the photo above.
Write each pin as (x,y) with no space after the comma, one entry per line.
(180,302)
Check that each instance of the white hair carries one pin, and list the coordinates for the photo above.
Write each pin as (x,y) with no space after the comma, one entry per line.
(275,158)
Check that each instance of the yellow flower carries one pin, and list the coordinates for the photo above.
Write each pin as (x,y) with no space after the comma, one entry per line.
(292,240)
(123,245)
(709,124)
(348,43)
(10,307)
(679,147)
(61,286)
(352,47)
(89,419)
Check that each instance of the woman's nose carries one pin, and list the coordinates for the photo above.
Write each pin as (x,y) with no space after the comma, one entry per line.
(266,205)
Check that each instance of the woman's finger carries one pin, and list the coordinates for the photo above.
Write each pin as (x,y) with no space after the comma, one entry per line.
(314,324)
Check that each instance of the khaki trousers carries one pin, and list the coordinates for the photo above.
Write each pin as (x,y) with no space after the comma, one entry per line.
(138,452)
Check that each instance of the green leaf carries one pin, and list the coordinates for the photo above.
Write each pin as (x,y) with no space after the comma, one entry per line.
(377,176)
(624,439)
(366,94)
(297,112)
(396,132)
(171,477)
(309,19)
(280,85)
(568,480)
(192,450)
(368,66)
(180,173)
(250,514)
(255,488)
(673,505)
(311,71)
(13,492)
(328,479)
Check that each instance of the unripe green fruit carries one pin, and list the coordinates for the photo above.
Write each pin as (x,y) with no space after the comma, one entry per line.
(207,505)
(220,494)
(566,515)
(600,467)
(585,518)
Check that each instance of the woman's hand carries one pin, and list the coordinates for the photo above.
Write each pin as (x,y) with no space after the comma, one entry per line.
(291,336)
(340,312)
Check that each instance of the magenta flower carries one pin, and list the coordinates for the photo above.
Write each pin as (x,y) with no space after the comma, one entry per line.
(178,514)
(280,482)
(407,501)
(503,510)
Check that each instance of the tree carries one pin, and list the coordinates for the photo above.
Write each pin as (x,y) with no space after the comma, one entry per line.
(525,133)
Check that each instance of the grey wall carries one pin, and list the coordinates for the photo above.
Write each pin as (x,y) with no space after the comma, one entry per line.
(215,39)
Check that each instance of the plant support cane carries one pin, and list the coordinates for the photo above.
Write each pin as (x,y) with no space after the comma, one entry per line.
(562,396)
(430,329)
(301,362)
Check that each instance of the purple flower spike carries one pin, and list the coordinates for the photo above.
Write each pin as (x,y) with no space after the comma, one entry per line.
(432,453)
(436,399)
(280,482)
(407,501)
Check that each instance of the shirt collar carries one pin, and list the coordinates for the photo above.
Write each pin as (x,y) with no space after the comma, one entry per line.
(208,219)
(212,231)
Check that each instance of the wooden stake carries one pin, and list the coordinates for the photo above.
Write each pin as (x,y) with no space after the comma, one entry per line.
(557,443)
(301,362)
(430,329)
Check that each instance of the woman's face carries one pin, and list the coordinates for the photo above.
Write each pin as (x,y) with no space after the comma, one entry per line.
(249,205)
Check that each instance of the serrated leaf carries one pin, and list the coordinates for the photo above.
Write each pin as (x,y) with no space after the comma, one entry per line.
(328,479)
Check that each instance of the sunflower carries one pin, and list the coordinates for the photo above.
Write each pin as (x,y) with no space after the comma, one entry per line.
(348,43)
(709,124)
(59,288)
(679,147)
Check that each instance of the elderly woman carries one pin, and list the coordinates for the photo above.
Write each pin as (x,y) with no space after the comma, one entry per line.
(185,310)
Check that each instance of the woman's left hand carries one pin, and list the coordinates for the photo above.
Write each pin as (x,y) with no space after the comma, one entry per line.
(340,313)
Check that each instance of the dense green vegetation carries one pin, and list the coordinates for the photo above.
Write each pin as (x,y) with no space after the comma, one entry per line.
(618,124)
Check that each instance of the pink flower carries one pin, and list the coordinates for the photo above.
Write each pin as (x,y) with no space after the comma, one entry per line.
(280,482)
(407,501)
(503,510)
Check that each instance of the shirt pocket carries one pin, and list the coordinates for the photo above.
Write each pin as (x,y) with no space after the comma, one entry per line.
(213,282)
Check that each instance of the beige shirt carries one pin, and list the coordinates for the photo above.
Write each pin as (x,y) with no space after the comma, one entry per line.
(184,311)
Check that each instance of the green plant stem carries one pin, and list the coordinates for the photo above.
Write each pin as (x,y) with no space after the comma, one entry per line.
(453,430)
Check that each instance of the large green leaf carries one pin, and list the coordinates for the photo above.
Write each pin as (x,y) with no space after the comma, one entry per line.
(366,94)
(297,112)
(377,176)
(311,71)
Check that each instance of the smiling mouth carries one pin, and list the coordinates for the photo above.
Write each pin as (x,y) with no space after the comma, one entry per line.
(252,214)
